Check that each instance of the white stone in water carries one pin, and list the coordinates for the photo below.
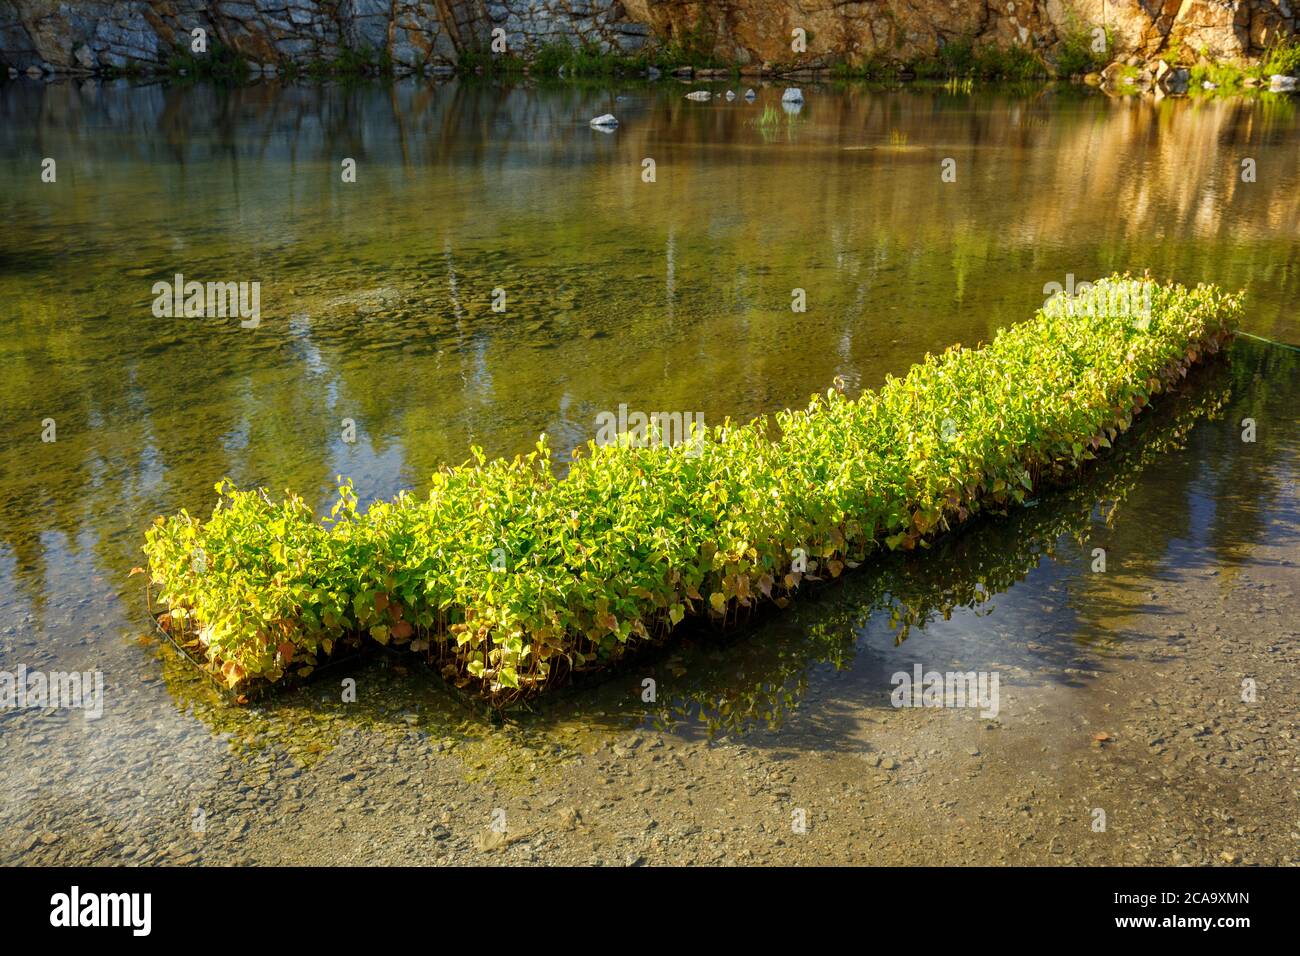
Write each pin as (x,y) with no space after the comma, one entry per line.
(792,95)
(730,96)
(700,96)
(1281,83)
(606,122)
(750,95)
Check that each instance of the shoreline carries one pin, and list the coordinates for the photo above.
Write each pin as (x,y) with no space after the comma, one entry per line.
(954,84)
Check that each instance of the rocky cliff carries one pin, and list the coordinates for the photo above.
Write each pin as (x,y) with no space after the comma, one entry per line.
(906,29)
(95,36)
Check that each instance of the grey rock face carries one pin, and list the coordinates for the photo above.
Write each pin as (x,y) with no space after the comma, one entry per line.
(414,35)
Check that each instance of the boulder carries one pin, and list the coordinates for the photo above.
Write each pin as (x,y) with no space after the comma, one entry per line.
(1110,75)
(792,94)
(1281,83)
(606,122)
(1177,80)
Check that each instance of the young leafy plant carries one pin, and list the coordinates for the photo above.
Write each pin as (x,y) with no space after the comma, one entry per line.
(507,576)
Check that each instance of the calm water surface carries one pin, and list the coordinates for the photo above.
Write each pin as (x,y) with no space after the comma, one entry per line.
(673,295)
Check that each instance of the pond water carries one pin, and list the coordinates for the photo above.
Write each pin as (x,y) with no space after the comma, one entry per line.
(376,301)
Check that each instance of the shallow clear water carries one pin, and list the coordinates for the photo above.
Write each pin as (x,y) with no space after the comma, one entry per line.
(670,295)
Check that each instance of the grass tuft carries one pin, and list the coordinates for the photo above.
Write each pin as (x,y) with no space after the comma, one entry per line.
(220,64)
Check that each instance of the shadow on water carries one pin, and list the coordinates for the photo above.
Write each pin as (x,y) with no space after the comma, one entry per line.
(1019,587)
